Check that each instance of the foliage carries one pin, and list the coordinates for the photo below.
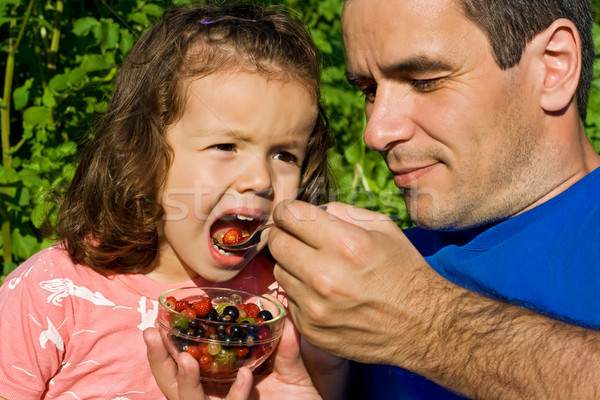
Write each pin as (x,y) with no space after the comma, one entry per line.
(59,59)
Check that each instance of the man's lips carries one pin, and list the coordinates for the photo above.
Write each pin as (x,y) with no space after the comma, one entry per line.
(406,177)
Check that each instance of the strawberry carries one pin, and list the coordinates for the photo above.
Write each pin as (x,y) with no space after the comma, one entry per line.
(252,310)
(202,307)
(181,305)
(232,236)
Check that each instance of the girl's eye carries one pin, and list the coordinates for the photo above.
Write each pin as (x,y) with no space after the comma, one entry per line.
(224,147)
(285,157)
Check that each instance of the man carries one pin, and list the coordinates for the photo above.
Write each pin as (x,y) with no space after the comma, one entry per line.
(477,108)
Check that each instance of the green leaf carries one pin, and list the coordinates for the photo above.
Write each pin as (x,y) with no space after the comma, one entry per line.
(126,41)
(110,34)
(21,95)
(152,9)
(322,42)
(29,177)
(8,176)
(139,18)
(48,98)
(35,115)
(23,246)
(77,76)
(59,83)
(82,26)
(7,269)
(94,62)
(25,197)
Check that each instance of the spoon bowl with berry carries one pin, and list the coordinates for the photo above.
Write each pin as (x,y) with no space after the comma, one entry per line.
(223,329)
(233,240)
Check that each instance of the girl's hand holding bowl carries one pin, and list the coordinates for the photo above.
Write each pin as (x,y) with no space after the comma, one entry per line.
(223,329)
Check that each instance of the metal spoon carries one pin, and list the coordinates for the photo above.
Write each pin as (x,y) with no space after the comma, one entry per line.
(250,242)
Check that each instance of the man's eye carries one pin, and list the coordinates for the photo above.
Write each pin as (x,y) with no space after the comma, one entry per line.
(424,85)
(369,93)
(224,147)
(285,157)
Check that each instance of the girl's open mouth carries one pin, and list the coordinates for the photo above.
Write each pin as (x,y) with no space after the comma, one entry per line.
(233,228)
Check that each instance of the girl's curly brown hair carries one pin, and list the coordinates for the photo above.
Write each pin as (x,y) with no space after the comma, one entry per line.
(110,216)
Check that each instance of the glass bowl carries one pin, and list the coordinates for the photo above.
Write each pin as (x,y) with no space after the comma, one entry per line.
(242,329)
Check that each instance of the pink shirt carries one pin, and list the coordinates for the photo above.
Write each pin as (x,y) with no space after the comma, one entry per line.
(68,332)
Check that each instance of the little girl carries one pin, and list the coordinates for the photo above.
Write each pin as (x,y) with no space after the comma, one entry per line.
(215,118)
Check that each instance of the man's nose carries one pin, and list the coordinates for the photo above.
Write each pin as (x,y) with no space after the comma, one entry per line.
(389,119)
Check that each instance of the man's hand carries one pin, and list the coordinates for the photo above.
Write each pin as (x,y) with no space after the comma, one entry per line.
(350,276)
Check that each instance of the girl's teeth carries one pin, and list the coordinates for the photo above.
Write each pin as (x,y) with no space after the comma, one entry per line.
(220,250)
(244,218)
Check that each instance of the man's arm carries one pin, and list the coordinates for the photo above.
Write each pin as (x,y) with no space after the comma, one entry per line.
(491,350)
(358,288)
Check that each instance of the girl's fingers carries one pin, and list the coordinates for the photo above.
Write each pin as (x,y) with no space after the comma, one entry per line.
(240,390)
(162,365)
(188,378)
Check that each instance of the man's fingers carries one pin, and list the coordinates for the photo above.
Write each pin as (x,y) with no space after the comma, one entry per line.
(302,220)
(369,220)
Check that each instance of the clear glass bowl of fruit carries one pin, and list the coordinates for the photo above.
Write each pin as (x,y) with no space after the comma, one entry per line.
(223,329)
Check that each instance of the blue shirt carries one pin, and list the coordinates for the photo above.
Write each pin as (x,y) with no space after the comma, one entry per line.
(546,259)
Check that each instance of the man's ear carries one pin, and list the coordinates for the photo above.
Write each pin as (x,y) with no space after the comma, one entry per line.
(560,57)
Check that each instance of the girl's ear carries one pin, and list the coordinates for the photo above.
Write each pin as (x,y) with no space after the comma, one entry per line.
(560,58)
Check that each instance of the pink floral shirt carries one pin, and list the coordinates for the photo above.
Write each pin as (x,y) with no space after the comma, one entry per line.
(67,332)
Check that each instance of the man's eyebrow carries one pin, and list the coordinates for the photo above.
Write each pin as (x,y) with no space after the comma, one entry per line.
(414,64)
(356,79)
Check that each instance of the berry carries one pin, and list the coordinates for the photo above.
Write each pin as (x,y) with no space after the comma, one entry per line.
(212,315)
(194,351)
(236,331)
(171,302)
(181,305)
(264,333)
(252,310)
(265,315)
(189,313)
(232,236)
(226,357)
(202,307)
(230,314)
(200,331)
(205,361)
(242,352)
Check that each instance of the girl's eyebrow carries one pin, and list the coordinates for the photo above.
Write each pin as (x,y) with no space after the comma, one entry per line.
(224,133)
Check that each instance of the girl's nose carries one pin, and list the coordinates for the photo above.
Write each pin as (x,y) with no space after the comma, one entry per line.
(256,176)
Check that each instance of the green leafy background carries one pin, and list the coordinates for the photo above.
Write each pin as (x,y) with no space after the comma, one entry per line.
(58,60)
